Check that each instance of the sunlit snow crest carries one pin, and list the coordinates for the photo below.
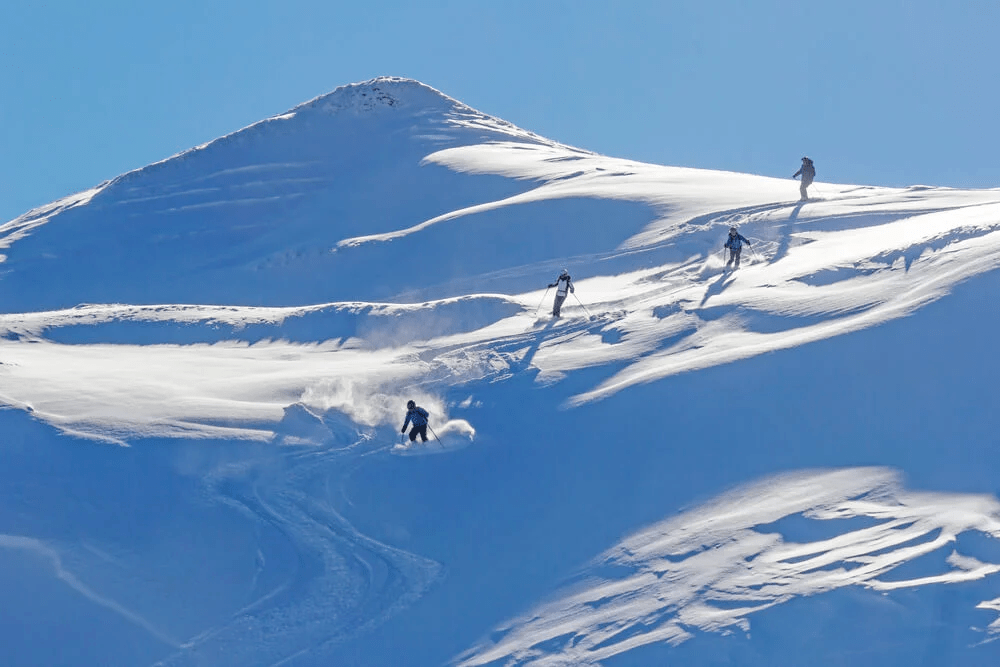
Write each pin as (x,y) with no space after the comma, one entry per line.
(710,568)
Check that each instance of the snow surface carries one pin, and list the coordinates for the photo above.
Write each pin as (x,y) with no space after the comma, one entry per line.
(710,568)
(248,318)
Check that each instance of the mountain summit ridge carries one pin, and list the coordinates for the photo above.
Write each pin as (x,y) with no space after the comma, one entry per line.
(391,92)
(425,105)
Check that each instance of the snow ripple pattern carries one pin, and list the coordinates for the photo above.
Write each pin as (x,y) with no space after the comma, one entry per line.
(710,568)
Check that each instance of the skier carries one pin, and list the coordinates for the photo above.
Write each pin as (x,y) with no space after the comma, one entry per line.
(419,418)
(561,291)
(735,244)
(808,172)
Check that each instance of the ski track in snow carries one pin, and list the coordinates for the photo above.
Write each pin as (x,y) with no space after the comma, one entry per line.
(711,568)
(345,583)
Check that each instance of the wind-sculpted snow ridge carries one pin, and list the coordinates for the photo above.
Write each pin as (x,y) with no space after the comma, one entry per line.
(113,376)
(858,257)
(22,226)
(647,309)
(711,568)
(366,324)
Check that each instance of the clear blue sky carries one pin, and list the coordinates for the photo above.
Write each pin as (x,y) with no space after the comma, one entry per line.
(886,93)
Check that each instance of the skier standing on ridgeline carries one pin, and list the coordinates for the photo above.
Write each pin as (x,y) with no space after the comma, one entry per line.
(735,244)
(808,172)
(419,418)
(563,287)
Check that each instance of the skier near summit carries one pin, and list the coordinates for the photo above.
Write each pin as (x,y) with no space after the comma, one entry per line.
(563,286)
(419,418)
(735,244)
(808,172)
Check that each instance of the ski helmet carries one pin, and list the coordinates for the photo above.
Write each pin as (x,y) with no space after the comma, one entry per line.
(410,405)
(564,273)
(806,159)
(732,230)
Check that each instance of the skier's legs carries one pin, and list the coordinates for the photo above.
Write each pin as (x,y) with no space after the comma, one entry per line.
(413,434)
(802,188)
(422,430)
(736,255)
(732,256)
(557,304)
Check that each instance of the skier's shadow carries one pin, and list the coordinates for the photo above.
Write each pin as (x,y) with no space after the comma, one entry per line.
(536,343)
(786,234)
(719,285)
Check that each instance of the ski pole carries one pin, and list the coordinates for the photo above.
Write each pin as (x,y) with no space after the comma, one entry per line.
(581,305)
(433,433)
(543,299)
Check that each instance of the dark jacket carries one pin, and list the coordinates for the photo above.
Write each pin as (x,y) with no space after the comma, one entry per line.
(807,170)
(417,415)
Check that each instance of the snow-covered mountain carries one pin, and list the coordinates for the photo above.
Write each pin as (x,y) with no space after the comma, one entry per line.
(206,362)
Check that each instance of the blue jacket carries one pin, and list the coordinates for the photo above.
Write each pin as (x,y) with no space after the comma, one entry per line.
(418,415)
(736,242)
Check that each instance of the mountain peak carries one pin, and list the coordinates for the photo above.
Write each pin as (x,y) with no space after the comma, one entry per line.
(383,92)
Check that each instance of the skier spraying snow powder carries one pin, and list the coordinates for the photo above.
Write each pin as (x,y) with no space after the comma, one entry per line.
(808,172)
(563,287)
(418,416)
(735,244)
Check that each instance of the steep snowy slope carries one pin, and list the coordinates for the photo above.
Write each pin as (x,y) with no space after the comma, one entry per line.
(252,315)
(251,218)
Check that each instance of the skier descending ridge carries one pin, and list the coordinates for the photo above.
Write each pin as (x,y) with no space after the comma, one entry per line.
(563,287)
(735,244)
